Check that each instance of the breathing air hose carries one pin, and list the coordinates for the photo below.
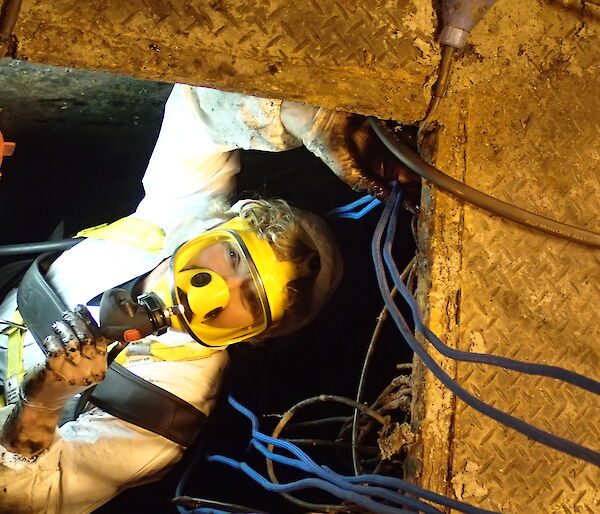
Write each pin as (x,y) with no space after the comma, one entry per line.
(459,17)
(416,163)
(40,247)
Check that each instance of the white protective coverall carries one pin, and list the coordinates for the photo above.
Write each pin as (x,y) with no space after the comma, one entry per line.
(97,456)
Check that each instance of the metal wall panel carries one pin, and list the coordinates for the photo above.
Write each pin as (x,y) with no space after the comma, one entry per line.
(370,57)
(521,123)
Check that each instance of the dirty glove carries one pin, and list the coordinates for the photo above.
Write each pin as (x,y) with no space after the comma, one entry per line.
(76,360)
(347,144)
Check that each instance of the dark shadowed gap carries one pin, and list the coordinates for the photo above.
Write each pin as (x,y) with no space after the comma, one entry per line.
(83,143)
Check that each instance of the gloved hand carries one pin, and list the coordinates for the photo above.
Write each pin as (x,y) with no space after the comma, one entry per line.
(347,144)
(76,360)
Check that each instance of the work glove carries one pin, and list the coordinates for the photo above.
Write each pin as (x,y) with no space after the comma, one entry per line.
(75,361)
(348,145)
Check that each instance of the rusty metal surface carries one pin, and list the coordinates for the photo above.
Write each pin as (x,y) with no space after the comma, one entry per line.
(521,123)
(373,57)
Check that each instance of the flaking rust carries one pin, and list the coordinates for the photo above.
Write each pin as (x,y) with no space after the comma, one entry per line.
(395,437)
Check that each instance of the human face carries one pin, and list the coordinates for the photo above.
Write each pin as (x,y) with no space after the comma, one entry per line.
(225,259)
(229,282)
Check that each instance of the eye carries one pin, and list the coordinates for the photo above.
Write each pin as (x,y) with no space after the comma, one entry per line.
(231,256)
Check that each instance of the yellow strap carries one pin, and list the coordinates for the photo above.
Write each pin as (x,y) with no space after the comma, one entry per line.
(14,364)
(179,353)
(162,352)
(15,349)
(131,231)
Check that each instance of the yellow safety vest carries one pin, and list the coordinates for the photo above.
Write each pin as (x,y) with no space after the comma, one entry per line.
(134,232)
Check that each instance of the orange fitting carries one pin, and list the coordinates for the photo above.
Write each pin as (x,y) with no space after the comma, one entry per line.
(6,149)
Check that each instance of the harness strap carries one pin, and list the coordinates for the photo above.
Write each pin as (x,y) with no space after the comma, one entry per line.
(14,364)
(39,305)
(161,352)
(121,393)
(146,405)
(15,348)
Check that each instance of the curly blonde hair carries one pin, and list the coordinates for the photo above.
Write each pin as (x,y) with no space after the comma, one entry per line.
(278,223)
(274,221)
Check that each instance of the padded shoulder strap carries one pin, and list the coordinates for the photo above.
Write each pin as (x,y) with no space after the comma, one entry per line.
(37,302)
(121,393)
(140,402)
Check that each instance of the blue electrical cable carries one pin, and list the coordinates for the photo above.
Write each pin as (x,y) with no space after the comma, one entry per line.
(304,483)
(529,368)
(307,464)
(356,203)
(534,433)
(207,510)
(327,474)
(346,210)
(362,212)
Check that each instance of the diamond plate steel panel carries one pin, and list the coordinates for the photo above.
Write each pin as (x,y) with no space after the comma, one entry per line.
(367,57)
(529,135)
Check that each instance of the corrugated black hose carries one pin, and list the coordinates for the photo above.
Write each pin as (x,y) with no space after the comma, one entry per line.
(39,247)
(417,164)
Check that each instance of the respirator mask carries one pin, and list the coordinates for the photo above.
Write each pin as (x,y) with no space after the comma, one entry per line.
(222,287)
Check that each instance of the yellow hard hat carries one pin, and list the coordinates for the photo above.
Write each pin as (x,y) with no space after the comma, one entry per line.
(229,284)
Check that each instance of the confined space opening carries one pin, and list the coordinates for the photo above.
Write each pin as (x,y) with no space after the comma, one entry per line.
(83,141)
